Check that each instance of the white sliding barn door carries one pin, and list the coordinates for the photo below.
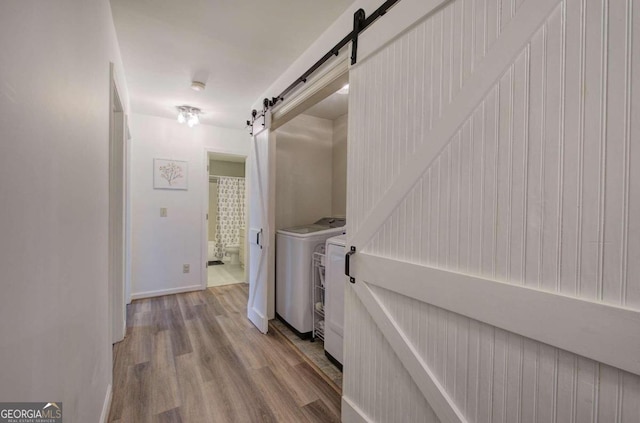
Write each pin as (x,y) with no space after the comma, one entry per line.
(261,222)
(494,203)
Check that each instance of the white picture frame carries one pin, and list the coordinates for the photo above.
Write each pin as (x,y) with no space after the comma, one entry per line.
(170,174)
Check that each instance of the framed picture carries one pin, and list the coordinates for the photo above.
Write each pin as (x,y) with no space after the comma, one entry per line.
(170,174)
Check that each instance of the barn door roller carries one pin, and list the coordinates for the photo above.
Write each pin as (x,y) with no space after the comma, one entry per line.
(358,22)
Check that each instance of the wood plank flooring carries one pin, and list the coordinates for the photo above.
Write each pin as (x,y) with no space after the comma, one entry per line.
(195,357)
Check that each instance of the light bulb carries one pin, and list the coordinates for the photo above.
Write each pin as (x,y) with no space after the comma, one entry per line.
(188,115)
(193,120)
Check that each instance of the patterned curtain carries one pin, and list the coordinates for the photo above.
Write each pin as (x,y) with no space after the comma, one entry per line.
(230,213)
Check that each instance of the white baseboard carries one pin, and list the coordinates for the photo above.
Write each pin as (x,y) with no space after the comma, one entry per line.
(161,292)
(351,413)
(106,407)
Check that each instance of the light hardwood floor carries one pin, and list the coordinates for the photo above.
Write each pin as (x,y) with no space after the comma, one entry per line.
(195,357)
(314,351)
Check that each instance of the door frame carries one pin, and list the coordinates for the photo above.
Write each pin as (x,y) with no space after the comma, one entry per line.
(205,210)
(333,75)
(119,256)
(127,210)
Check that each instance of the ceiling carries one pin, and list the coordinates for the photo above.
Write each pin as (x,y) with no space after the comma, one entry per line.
(237,47)
(332,107)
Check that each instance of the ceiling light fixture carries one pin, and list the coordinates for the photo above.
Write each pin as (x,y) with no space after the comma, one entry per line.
(189,115)
(344,90)
(198,86)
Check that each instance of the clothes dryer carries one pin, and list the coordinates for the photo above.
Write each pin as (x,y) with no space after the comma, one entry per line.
(335,282)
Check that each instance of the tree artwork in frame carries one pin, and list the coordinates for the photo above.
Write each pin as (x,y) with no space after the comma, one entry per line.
(169,174)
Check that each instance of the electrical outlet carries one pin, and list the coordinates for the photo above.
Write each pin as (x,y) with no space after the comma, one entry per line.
(163,212)
(185,268)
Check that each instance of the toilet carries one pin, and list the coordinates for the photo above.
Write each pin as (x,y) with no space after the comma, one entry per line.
(233,251)
(211,251)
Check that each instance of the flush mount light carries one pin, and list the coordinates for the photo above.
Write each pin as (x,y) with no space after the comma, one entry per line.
(198,86)
(344,90)
(189,115)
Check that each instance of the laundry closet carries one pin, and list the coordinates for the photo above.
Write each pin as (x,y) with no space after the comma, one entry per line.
(311,182)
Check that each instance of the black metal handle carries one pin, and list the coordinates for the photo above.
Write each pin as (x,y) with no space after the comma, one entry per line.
(358,23)
(347,264)
(258,239)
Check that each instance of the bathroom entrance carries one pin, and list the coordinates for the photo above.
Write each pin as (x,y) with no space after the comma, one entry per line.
(226,246)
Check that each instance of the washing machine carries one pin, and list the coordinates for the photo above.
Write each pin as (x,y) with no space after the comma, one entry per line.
(335,282)
(294,257)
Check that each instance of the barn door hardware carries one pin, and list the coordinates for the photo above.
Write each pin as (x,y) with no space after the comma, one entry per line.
(347,264)
(360,23)
(258,239)
(254,114)
(266,105)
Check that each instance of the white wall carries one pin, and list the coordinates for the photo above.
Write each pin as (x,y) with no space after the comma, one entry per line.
(303,171)
(339,167)
(54,164)
(224,168)
(162,245)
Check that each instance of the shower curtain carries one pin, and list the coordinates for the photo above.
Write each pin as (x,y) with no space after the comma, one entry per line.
(230,213)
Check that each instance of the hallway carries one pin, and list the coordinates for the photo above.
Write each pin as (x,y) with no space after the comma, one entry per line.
(195,357)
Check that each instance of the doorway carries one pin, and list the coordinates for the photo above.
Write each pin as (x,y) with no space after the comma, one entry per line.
(117,213)
(226,219)
(311,157)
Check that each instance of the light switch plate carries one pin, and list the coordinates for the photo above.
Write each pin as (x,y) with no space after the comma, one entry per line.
(163,212)
(185,268)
